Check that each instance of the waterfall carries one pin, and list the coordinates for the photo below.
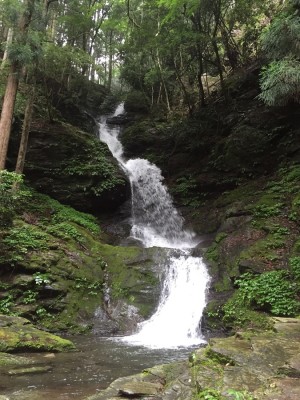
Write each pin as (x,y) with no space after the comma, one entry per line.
(156,222)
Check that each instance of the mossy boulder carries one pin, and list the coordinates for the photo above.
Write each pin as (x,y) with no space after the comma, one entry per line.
(18,334)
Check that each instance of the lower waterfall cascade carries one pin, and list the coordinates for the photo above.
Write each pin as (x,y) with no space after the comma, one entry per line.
(156,222)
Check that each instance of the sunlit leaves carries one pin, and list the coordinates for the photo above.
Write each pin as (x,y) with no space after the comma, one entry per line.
(283,37)
(280,82)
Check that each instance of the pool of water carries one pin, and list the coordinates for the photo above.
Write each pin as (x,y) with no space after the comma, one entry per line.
(76,375)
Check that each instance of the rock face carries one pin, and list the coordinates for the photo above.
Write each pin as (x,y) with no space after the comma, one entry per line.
(233,171)
(264,366)
(73,167)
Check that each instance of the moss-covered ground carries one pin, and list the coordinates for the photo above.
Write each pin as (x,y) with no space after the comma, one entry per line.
(53,261)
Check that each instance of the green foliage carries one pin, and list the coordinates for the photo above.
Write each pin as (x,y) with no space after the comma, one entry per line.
(65,230)
(20,53)
(62,216)
(273,291)
(186,188)
(294,263)
(280,82)
(21,239)
(29,297)
(57,59)
(12,194)
(281,38)
(237,313)
(209,394)
(99,165)
(136,101)
(240,395)
(91,288)
(266,211)
(42,313)
(213,394)
(41,279)
(6,304)
(280,79)
(117,290)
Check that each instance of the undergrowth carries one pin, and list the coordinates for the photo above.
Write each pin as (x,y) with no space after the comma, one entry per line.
(274,292)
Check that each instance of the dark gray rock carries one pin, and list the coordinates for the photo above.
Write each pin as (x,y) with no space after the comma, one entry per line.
(73,167)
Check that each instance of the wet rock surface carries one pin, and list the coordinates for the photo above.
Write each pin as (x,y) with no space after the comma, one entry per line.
(264,365)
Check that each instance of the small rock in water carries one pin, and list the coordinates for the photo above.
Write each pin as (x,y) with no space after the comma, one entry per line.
(139,389)
(49,355)
(29,370)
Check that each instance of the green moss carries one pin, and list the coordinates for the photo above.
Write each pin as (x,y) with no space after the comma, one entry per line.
(129,275)
(212,253)
(218,358)
(9,360)
(19,335)
(92,160)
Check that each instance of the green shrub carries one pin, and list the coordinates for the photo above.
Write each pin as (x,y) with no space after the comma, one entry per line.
(237,313)
(12,195)
(6,304)
(272,291)
(295,267)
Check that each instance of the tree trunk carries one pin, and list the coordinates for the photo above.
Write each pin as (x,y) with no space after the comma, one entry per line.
(199,77)
(8,43)
(12,84)
(219,66)
(183,88)
(25,132)
(7,112)
(110,60)
(163,80)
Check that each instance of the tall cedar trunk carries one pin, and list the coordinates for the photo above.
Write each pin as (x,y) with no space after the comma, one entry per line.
(196,20)
(25,132)
(217,17)
(201,92)
(110,60)
(219,66)
(163,83)
(7,112)
(12,84)
(8,43)
(183,88)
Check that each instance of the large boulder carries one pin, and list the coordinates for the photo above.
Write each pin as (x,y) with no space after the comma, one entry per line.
(18,334)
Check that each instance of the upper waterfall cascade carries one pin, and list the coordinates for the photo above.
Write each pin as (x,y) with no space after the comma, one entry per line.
(156,222)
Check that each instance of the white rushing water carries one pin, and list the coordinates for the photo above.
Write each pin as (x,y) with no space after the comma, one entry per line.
(156,222)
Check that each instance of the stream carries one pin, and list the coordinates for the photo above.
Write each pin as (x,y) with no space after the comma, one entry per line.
(172,331)
(76,375)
